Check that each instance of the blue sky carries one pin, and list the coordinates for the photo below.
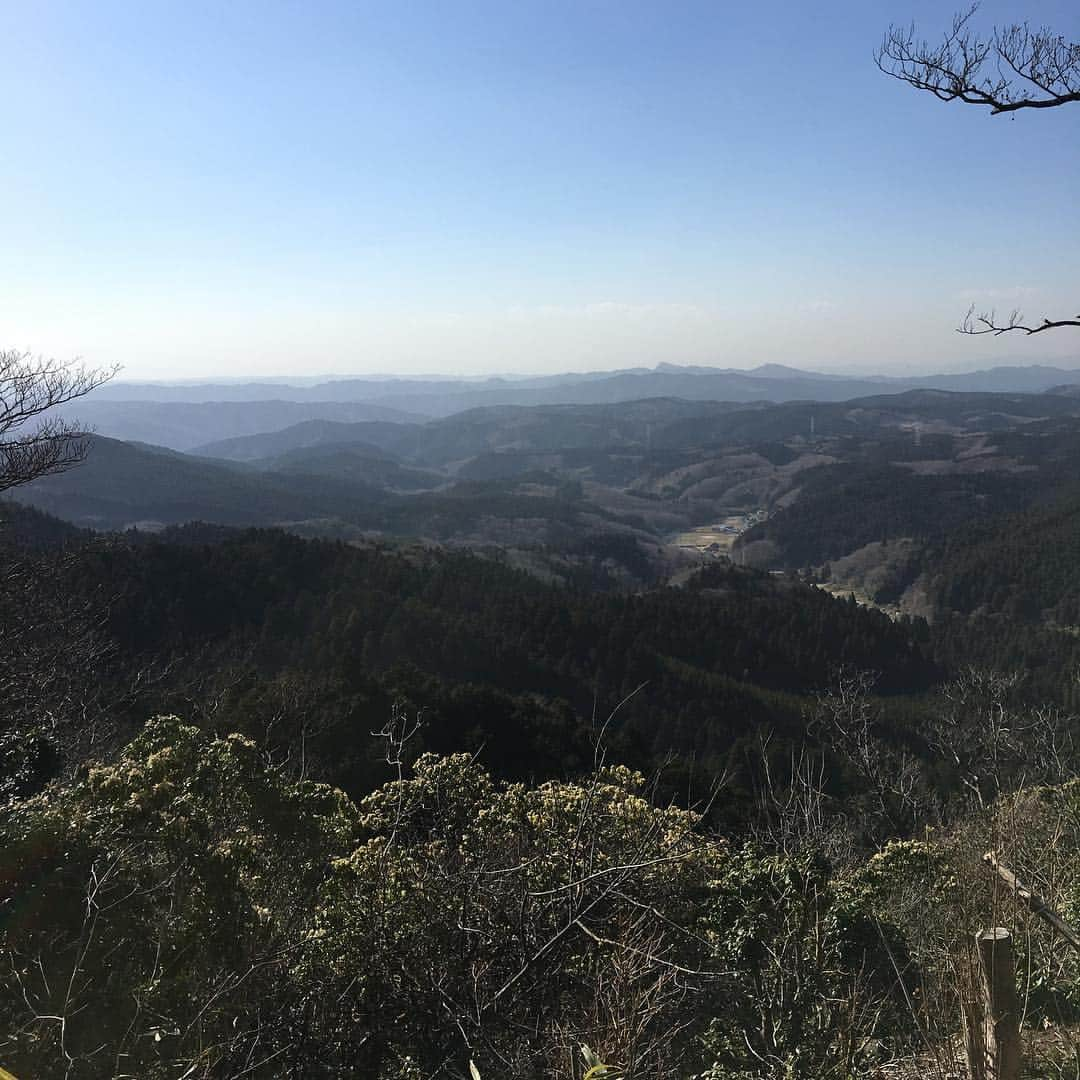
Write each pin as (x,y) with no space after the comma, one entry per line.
(265,188)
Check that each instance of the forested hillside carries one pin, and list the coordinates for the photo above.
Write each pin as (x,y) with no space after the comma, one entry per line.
(1023,566)
(523,673)
(840,508)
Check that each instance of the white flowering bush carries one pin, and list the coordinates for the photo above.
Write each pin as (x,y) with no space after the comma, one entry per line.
(152,911)
(190,911)
(518,923)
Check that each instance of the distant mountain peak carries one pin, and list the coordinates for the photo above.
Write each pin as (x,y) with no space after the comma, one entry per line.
(782,371)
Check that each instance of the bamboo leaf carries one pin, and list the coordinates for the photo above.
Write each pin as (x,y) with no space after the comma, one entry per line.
(591,1060)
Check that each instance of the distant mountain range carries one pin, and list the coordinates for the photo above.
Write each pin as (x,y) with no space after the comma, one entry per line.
(187,416)
(769,381)
(655,465)
(183,425)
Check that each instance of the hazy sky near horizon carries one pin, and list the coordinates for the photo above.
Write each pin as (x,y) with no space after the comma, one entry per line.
(260,188)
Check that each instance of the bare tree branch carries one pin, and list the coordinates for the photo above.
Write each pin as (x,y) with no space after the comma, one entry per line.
(30,387)
(986,323)
(1013,68)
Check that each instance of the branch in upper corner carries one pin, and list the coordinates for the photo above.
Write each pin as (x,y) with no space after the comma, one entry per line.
(1014,68)
(986,323)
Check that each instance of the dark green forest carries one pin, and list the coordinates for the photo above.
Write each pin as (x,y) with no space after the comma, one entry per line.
(522,672)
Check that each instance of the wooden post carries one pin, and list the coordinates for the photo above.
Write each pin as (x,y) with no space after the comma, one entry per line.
(974,1020)
(1001,1005)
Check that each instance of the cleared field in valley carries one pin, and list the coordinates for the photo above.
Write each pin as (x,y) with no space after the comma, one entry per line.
(718,537)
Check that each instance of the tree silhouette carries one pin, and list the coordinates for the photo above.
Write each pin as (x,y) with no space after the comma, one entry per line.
(1014,68)
(32,442)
